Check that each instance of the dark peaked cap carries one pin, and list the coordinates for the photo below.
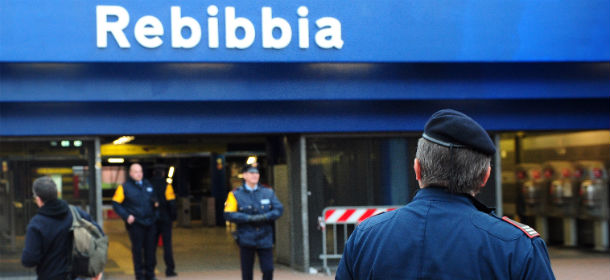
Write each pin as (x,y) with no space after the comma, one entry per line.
(454,129)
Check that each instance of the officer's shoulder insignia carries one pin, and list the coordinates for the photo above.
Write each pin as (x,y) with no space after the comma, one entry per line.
(382,212)
(530,232)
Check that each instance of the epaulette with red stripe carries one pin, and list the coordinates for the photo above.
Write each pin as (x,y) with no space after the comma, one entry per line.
(530,232)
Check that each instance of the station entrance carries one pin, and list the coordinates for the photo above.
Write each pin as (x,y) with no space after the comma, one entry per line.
(202,170)
(556,182)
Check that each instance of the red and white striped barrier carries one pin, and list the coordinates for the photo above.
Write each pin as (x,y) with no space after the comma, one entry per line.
(347,216)
(341,215)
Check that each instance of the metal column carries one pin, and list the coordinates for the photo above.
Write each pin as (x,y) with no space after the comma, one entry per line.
(498,176)
(95,181)
(304,198)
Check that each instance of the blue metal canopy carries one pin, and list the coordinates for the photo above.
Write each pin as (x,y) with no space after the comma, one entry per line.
(145,98)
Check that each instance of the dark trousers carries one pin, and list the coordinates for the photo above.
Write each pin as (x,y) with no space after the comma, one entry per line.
(265,258)
(143,239)
(164,229)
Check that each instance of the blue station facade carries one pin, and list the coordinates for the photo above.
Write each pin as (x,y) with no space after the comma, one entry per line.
(338,91)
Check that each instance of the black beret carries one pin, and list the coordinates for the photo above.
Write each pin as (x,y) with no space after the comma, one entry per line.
(451,128)
(250,168)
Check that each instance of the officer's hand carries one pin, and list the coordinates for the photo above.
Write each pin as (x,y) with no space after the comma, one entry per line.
(257,218)
(98,277)
(131,219)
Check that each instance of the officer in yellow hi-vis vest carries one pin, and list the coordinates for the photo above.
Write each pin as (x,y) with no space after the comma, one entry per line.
(167,214)
(254,208)
(136,202)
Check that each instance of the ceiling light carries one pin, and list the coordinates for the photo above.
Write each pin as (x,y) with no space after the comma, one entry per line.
(123,140)
(116,160)
(170,174)
(251,160)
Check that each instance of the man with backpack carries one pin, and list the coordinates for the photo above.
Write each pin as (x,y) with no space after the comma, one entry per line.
(49,237)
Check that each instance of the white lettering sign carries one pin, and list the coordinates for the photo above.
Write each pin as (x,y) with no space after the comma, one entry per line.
(240,32)
(115,28)
(269,24)
(231,26)
(148,31)
(179,23)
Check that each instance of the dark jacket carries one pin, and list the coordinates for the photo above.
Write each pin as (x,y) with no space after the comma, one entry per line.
(167,199)
(48,240)
(132,199)
(243,204)
(440,235)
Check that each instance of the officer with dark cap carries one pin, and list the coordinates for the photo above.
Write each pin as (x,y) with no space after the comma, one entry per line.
(254,208)
(445,233)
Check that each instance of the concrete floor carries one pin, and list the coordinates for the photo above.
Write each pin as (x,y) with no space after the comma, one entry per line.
(199,252)
(210,253)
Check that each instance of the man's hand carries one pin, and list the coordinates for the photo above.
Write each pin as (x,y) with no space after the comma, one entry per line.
(98,277)
(257,218)
(131,219)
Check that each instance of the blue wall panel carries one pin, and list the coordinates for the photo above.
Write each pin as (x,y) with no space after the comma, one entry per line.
(295,81)
(100,118)
(143,98)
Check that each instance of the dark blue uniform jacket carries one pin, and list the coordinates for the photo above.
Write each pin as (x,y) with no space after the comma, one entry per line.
(440,235)
(260,201)
(48,241)
(167,211)
(136,200)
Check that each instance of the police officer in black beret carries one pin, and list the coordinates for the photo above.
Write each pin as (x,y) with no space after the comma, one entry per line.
(445,233)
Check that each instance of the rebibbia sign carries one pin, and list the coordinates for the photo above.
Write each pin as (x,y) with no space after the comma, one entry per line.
(189,28)
(352,31)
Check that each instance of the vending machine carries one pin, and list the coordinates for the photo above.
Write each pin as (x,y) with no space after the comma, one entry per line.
(593,200)
(532,196)
(562,203)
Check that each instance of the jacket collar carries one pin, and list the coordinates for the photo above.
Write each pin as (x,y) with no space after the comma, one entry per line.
(135,183)
(441,193)
(246,188)
(56,208)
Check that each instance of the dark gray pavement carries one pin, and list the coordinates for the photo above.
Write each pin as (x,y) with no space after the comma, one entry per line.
(210,253)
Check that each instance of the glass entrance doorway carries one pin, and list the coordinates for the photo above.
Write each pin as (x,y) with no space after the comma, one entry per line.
(202,169)
(65,160)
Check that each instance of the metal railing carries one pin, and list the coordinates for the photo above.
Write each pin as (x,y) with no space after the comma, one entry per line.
(347,216)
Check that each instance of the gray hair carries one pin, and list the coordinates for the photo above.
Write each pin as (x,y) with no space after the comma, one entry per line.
(45,188)
(460,171)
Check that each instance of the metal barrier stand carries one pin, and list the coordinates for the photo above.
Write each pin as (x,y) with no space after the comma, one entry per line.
(348,215)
